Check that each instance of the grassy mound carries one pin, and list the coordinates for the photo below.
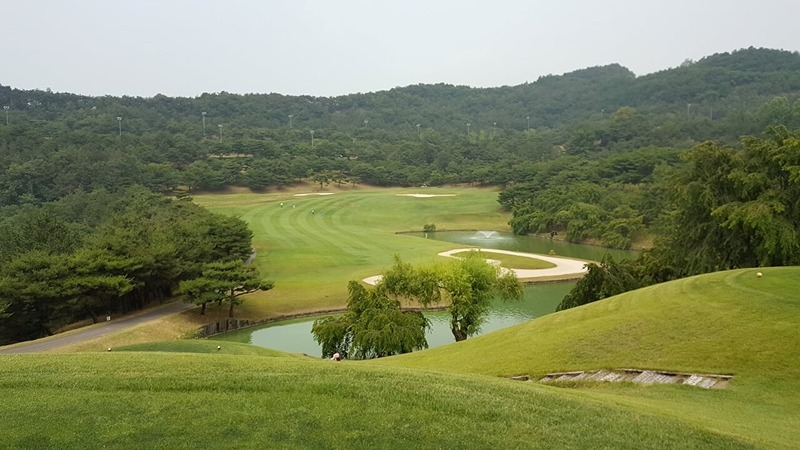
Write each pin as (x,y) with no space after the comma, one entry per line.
(727,323)
(158,400)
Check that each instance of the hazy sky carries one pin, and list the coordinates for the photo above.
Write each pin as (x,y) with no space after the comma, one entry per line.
(333,47)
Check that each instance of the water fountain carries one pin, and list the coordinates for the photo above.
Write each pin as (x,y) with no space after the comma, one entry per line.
(486,234)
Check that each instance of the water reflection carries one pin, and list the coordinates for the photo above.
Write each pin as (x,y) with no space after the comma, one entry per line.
(539,299)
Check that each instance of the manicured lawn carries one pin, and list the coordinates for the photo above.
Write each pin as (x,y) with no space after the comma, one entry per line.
(174,400)
(726,323)
(314,244)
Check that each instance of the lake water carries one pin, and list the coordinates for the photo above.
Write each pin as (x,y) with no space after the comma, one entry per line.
(539,299)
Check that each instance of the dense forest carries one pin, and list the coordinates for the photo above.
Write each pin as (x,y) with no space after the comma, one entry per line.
(596,155)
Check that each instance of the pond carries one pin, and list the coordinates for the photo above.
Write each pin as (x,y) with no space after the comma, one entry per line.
(540,299)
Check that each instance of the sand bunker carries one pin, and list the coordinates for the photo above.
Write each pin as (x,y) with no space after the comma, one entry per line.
(314,193)
(564,266)
(425,195)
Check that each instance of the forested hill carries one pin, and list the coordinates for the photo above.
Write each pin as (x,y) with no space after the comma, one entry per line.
(598,131)
(717,86)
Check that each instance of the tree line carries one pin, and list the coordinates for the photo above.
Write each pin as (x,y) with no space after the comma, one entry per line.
(90,255)
(726,207)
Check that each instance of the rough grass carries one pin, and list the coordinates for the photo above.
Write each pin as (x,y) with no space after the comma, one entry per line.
(162,400)
(727,323)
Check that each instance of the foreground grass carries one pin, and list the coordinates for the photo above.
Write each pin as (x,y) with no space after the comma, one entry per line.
(728,323)
(163,400)
(188,394)
(204,346)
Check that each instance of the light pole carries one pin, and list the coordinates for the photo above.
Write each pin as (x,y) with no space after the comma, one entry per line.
(688,110)
(366,122)
(204,123)
(6,108)
(418,130)
(119,122)
(290,120)
(220,132)
(468,128)
(312,138)
(494,125)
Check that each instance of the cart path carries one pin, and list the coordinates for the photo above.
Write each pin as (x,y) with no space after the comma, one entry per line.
(96,330)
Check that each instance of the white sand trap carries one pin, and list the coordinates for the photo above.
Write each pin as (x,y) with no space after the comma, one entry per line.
(425,195)
(373,280)
(564,266)
(314,193)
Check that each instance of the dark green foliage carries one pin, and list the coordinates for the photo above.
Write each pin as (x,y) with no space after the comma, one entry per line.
(374,326)
(729,207)
(222,282)
(93,254)
(607,279)
(734,207)
(58,144)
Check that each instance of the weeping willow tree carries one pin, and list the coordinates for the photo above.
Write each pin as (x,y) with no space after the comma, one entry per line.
(374,326)
(465,285)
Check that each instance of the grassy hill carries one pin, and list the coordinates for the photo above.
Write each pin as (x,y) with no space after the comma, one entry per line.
(726,323)
(177,395)
(165,400)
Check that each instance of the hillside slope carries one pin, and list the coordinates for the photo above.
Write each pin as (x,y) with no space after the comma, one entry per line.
(168,400)
(726,323)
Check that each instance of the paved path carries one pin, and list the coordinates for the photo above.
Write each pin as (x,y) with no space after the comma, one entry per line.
(564,266)
(93,331)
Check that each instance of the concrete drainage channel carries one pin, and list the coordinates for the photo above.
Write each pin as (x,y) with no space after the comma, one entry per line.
(707,381)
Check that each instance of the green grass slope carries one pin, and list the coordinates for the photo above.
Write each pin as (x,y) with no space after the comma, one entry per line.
(205,346)
(188,400)
(728,323)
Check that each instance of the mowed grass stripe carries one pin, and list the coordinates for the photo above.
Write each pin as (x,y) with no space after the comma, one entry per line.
(322,247)
(351,236)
